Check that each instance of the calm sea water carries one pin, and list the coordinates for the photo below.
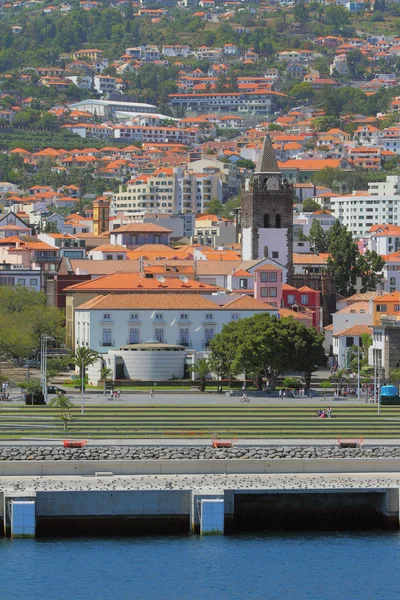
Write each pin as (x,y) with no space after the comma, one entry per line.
(340,566)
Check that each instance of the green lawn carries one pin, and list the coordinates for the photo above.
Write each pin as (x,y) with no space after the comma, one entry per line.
(175,421)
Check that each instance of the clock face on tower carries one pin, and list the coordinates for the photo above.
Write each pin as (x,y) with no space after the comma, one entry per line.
(273,183)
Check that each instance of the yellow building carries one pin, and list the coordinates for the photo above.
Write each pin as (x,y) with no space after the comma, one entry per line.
(101,216)
(388,304)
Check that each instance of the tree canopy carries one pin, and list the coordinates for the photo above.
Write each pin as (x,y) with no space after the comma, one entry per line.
(268,346)
(24,317)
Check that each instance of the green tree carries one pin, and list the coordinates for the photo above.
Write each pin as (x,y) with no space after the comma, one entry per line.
(337,16)
(229,207)
(343,259)
(370,266)
(325,386)
(201,370)
(318,238)
(62,402)
(302,92)
(83,358)
(301,12)
(214,207)
(310,205)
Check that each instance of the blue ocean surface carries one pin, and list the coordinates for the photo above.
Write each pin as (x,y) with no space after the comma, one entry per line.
(281,566)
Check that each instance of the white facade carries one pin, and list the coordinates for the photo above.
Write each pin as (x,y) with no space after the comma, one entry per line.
(272,243)
(108,329)
(359,213)
(168,192)
(305,221)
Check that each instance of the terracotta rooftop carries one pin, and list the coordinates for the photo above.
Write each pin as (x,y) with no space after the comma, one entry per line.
(134,282)
(355,331)
(168,302)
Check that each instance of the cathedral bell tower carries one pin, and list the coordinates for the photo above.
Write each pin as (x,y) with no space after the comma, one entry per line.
(267,213)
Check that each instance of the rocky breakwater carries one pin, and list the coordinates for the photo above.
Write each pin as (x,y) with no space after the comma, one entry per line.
(89,453)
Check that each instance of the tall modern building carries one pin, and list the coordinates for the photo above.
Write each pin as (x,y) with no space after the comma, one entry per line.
(267,213)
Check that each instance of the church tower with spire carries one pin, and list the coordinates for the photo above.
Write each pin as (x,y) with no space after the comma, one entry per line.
(266,213)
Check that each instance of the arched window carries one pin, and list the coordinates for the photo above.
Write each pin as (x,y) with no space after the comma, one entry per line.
(266,220)
(277,221)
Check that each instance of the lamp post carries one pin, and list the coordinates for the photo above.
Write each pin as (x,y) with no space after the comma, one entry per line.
(82,390)
(43,363)
(358,374)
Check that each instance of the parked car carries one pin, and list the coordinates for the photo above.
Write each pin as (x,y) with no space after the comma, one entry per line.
(54,389)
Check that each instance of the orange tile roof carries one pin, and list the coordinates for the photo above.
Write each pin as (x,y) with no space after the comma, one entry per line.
(141,227)
(134,282)
(393,297)
(355,307)
(169,302)
(308,259)
(109,248)
(355,331)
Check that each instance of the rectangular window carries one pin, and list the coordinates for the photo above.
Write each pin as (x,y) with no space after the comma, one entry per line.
(349,342)
(120,257)
(134,336)
(159,317)
(109,257)
(159,335)
(107,337)
(209,317)
(21,281)
(184,336)
(381,308)
(291,299)
(397,308)
(243,284)
(275,254)
(32,281)
(263,277)
(273,292)
(184,317)
(208,336)
(134,317)
(264,292)
(106,316)
(304,299)
(273,277)
(393,281)
(235,317)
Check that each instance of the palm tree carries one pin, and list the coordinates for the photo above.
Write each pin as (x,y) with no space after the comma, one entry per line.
(62,402)
(201,369)
(84,357)
(325,385)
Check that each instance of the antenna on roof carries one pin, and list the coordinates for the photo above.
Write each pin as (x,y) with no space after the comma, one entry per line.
(183,278)
(160,278)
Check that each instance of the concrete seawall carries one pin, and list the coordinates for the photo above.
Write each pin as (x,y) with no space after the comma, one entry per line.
(191,467)
(75,497)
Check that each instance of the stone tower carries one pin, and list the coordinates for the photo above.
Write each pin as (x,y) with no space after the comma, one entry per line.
(267,213)
(101,216)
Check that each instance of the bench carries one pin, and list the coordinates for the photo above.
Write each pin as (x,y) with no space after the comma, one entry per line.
(221,444)
(350,443)
(74,444)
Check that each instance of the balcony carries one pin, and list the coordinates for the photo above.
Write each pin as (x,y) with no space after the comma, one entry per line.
(46,259)
(108,344)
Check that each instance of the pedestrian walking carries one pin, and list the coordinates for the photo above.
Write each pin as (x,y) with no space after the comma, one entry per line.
(151,394)
(119,394)
(280,393)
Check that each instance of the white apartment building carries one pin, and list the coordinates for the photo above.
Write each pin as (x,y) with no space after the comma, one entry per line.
(169,190)
(104,83)
(176,50)
(304,221)
(360,212)
(155,134)
(258,102)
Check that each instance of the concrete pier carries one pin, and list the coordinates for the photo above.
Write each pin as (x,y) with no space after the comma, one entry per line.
(134,497)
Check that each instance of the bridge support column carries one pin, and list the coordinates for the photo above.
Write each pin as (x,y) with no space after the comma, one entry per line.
(207,513)
(19,514)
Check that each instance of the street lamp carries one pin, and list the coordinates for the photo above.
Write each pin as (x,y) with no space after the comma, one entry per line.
(82,390)
(43,363)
